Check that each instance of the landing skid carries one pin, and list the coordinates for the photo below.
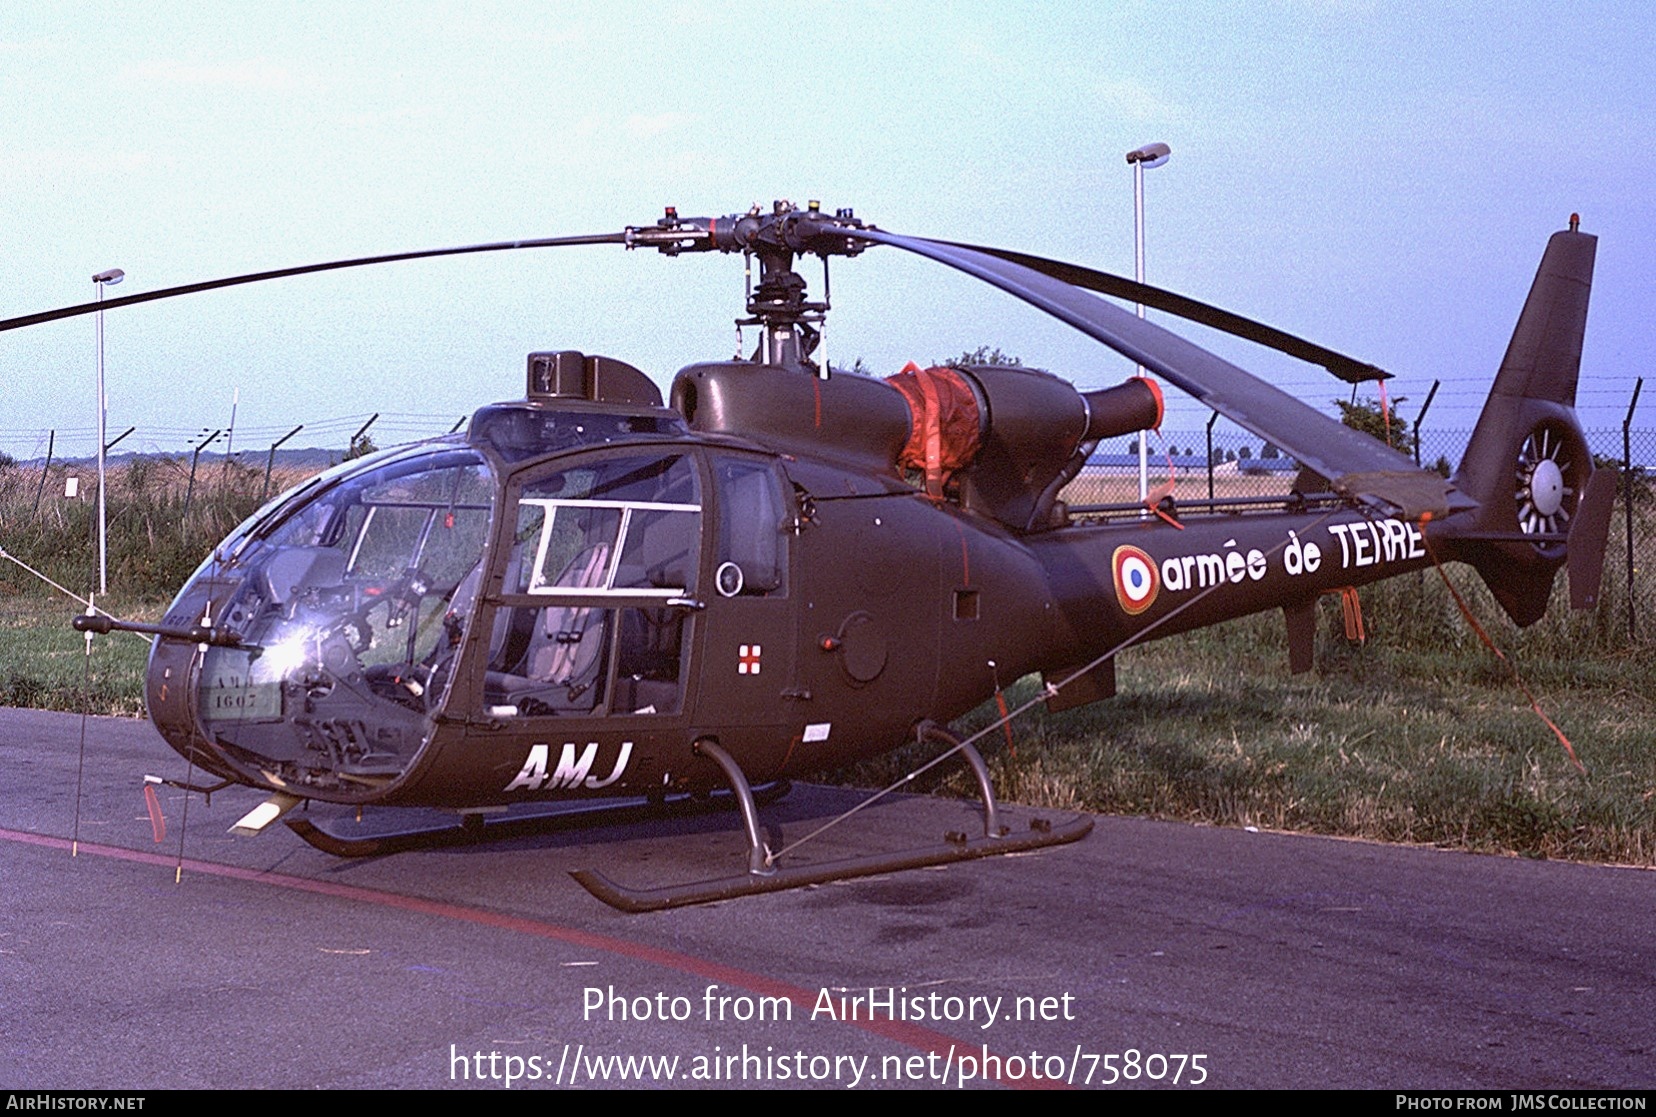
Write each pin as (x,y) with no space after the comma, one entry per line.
(1040,835)
(525,821)
(764,876)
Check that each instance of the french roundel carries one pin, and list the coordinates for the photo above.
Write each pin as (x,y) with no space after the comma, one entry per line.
(1136,580)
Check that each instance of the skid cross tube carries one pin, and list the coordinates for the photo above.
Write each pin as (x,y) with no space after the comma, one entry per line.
(931,731)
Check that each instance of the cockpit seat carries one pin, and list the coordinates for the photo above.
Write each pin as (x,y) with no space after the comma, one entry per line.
(292,570)
(562,667)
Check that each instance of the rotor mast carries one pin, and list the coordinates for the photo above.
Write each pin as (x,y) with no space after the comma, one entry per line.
(789,322)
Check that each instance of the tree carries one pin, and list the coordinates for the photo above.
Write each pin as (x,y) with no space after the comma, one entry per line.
(1245,453)
(361,447)
(1365,415)
(1270,451)
(982,355)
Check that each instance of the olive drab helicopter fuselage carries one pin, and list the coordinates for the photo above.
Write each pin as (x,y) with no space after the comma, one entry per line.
(567,598)
(591,595)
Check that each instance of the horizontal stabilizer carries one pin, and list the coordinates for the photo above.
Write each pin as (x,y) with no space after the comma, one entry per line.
(1413,493)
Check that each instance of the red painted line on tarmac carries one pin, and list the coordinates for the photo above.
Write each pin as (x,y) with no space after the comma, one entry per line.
(901,1031)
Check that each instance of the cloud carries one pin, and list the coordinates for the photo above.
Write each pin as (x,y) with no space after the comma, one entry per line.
(56,164)
(1134,101)
(640,126)
(251,74)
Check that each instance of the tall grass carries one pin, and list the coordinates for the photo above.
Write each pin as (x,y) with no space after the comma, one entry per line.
(160,527)
(46,665)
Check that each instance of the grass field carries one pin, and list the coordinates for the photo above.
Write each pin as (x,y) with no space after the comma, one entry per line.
(1116,486)
(44,663)
(1387,741)
(160,528)
(1418,736)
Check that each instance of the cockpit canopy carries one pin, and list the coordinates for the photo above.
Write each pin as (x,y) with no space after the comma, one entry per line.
(345,603)
(557,584)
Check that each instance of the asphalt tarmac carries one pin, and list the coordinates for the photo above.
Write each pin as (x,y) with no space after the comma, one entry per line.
(1150,954)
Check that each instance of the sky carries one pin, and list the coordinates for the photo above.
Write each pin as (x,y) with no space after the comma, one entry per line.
(1380,178)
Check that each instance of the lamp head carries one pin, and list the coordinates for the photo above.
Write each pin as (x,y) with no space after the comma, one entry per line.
(1151,155)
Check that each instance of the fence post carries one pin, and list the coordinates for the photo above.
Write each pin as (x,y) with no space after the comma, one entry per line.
(1627,496)
(189,490)
(230,433)
(362,430)
(1421,418)
(51,441)
(1211,420)
(271,459)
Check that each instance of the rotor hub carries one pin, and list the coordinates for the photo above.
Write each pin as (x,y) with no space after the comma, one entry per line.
(1547,487)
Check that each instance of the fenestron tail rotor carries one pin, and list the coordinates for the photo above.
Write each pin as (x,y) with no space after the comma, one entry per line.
(1546,483)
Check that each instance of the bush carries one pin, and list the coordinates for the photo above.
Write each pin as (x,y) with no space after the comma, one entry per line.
(1365,415)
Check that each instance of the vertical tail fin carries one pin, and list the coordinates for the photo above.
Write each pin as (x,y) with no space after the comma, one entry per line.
(1528,465)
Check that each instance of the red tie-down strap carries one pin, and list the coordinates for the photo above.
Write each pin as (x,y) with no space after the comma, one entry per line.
(158,821)
(1351,610)
(1466,612)
(1153,498)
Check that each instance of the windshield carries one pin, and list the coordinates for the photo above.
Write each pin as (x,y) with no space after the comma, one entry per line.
(353,608)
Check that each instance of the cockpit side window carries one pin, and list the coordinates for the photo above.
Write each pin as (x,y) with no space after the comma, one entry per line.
(753,517)
(611,548)
(641,514)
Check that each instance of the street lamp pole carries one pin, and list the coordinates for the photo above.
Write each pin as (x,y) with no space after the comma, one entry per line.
(99,282)
(1142,159)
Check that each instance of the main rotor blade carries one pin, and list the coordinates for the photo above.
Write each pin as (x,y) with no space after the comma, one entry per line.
(1326,446)
(306,269)
(1349,369)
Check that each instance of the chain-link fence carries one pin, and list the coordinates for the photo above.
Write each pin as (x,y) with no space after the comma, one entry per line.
(247,442)
(1216,462)
(1221,464)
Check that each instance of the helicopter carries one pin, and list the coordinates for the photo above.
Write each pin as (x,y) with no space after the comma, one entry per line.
(597,595)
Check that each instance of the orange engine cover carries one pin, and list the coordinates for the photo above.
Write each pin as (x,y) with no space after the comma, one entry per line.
(948,426)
